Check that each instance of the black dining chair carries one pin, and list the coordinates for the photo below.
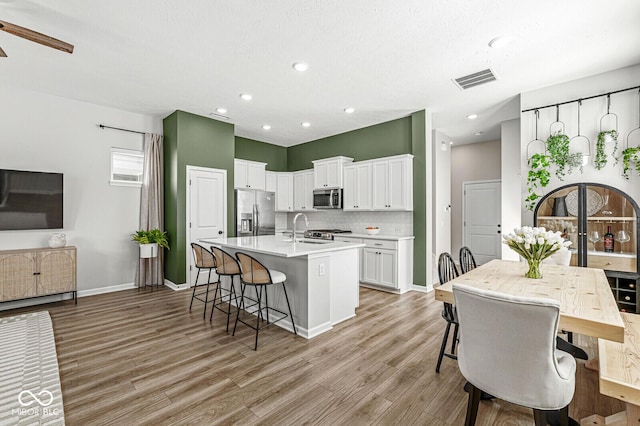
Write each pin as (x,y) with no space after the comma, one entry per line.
(446,272)
(467,262)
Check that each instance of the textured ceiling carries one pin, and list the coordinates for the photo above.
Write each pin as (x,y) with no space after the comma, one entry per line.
(386,59)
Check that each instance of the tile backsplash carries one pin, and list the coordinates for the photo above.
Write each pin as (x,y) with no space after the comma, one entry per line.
(394,223)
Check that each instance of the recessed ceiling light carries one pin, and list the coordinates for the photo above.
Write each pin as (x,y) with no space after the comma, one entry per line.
(221,110)
(305,124)
(451,143)
(472,116)
(266,127)
(300,66)
(499,42)
(246,96)
(349,110)
(478,133)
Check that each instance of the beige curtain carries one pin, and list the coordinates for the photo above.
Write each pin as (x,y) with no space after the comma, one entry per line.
(151,271)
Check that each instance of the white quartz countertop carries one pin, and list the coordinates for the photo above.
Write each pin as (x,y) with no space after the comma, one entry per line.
(280,246)
(379,236)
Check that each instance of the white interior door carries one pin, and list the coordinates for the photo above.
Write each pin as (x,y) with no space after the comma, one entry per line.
(482,229)
(206,209)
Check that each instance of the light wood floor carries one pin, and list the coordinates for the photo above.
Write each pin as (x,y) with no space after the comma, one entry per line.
(139,357)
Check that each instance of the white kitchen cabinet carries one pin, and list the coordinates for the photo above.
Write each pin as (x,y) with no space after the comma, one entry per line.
(357,186)
(328,172)
(303,190)
(387,264)
(284,192)
(392,183)
(379,263)
(249,174)
(271,182)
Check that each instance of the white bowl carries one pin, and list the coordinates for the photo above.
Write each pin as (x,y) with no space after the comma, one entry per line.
(372,231)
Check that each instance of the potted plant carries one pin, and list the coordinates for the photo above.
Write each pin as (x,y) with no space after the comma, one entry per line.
(630,155)
(605,136)
(538,177)
(558,149)
(149,241)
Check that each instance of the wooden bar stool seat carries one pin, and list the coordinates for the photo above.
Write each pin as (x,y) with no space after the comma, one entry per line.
(255,274)
(226,266)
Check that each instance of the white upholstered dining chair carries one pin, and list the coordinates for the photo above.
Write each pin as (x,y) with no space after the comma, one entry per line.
(508,349)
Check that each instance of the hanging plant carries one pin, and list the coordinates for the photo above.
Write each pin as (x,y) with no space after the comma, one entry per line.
(537,178)
(605,137)
(558,149)
(630,155)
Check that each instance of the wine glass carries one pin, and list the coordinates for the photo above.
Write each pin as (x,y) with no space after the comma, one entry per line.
(622,236)
(605,208)
(594,237)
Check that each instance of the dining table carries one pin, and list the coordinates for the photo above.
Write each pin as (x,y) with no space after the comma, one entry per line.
(587,305)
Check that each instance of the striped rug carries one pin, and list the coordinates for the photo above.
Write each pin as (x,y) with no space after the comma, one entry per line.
(30,391)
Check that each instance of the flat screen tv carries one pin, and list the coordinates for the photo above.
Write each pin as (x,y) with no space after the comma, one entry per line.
(30,200)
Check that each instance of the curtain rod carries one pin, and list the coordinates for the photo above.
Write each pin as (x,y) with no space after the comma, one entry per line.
(581,99)
(102,126)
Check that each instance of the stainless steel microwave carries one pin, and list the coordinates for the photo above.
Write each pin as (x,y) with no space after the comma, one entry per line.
(327,198)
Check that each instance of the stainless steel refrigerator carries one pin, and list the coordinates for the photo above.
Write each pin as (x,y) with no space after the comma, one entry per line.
(255,212)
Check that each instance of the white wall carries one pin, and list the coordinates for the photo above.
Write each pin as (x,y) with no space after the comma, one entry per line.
(45,133)
(441,207)
(625,105)
(511,176)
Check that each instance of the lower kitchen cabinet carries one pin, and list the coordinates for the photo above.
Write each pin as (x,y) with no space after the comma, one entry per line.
(385,264)
(379,267)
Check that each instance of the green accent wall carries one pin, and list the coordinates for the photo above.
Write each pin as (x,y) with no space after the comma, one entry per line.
(418,149)
(275,156)
(192,140)
(381,140)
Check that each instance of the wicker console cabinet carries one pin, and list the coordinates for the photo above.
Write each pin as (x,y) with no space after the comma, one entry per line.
(29,273)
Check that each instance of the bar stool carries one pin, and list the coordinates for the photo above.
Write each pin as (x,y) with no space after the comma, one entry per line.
(228,266)
(204,260)
(254,273)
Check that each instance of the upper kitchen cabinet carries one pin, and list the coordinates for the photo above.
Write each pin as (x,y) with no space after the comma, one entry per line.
(328,172)
(602,224)
(271,181)
(357,186)
(284,192)
(249,174)
(303,190)
(392,183)
(282,184)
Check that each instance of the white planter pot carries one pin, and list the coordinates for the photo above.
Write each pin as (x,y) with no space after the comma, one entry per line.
(148,250)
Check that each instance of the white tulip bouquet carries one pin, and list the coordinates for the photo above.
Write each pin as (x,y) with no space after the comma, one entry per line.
(535,245)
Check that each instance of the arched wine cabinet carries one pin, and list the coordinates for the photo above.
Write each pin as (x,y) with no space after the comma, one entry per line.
(585,211)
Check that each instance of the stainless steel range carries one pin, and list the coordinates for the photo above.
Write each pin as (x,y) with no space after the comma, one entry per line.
(324,234)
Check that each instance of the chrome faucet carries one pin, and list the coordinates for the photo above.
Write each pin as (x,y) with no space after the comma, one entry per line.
(295,219)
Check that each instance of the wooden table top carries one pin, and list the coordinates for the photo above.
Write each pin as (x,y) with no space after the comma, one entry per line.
(620,363)
(587,305)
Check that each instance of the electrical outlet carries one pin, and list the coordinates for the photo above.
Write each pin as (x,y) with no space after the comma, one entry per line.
(321,269)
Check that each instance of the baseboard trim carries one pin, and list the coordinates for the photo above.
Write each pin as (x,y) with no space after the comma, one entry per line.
(109,289)
(176,287)
(422,288)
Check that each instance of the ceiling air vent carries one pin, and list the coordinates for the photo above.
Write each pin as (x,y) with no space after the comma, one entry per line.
(475,79)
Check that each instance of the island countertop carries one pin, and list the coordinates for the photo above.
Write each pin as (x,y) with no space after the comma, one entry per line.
(281,246)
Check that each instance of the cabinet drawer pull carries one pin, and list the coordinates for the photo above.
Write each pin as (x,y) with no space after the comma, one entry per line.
(377,244)
(36,273)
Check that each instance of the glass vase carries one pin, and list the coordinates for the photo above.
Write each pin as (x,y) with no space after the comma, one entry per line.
(534,269)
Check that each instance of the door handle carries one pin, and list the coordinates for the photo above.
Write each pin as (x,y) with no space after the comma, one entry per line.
(220,232)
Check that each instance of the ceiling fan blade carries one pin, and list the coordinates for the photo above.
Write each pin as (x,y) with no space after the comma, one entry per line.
(2,54)
(35,36)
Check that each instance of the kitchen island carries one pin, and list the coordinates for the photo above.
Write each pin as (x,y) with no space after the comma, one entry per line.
(322,277)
